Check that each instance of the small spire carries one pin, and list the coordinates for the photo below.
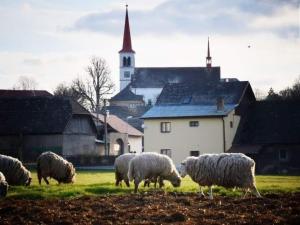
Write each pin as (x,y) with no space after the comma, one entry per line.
(208,58)
(126,37)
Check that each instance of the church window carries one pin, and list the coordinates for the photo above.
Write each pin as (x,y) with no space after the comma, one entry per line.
(124,61)
(128,61)
(126,74)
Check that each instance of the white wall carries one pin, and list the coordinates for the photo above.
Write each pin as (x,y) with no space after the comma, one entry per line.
(148,93)
(206,138)
(135,144)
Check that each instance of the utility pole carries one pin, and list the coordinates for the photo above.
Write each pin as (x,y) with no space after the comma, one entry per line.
(105,129)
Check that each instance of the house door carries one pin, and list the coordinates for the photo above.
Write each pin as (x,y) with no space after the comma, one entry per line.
(119,149)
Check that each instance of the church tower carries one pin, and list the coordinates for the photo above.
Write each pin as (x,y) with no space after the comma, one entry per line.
(208,58)
(127,61)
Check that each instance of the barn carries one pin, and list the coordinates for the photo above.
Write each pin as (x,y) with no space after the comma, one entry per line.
(32,125)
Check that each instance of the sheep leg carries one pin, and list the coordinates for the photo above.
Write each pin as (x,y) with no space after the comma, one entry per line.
(155,182)
(257,194)
(127,182)
(246,192)
(210,192)
(147,183)
(118,178)
(136,185)
(45,179)
(40,178)
(201,192)
(161,182)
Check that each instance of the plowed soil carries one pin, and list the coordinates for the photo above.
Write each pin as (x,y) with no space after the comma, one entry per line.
(153,208)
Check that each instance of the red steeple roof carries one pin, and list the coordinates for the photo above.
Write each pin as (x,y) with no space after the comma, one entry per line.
(126,38)
(208,58)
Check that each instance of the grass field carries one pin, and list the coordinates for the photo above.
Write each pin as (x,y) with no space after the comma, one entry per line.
(102,183)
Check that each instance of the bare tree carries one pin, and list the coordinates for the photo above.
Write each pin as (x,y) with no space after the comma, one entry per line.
(25,83)
(93,90)
(64,90)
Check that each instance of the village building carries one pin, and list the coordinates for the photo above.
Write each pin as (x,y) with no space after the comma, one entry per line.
(190,119)
(269,133)
(4,93)
(122,137)
(32,125)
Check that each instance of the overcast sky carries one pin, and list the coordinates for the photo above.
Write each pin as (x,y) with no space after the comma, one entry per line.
(53,41)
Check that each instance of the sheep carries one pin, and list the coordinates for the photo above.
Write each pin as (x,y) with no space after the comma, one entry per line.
(121,171)
(14,171)
(121,168)
(3,186)
(151,164)
(229,170)
(54,166)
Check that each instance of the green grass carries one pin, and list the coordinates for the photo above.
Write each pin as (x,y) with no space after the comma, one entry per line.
(95,183)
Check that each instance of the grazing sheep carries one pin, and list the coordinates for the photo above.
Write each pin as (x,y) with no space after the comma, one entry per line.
(121,168)
(151,164)
(54,166)
(3,186)
(14,171)
(229,170)
(121,171)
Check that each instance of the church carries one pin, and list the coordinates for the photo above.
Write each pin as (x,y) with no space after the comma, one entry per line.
(141,86)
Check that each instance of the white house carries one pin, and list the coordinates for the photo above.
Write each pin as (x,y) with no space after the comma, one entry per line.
(192,119)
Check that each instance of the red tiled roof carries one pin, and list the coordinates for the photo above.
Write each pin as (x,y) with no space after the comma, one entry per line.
(24,93)
(119,125)
(126,38)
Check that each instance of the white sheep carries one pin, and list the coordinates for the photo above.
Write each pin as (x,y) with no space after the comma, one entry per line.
(229,170)
(14,171)
(3,186)
(121,168)
(150,164)
(54,166)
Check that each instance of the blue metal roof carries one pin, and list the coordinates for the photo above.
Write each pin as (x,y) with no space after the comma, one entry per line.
(170,111)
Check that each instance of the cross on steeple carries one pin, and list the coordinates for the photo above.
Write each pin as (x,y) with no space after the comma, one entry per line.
(208,58)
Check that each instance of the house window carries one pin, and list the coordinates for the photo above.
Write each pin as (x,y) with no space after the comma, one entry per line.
(231,124)
(127,74)
(167,152)
(165,127)
(194,153)
(194,123)
(282,154)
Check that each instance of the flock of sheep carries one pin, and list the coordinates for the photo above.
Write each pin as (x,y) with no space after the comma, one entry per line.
(49,164)
(229,170)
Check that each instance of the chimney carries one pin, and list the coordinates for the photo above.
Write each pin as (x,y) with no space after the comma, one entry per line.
(220,104)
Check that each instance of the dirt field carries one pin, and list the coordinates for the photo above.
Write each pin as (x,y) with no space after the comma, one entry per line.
(153,208)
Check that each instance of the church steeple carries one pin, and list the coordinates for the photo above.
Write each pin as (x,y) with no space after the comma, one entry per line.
(127,60)
(208,58)
(126,37)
